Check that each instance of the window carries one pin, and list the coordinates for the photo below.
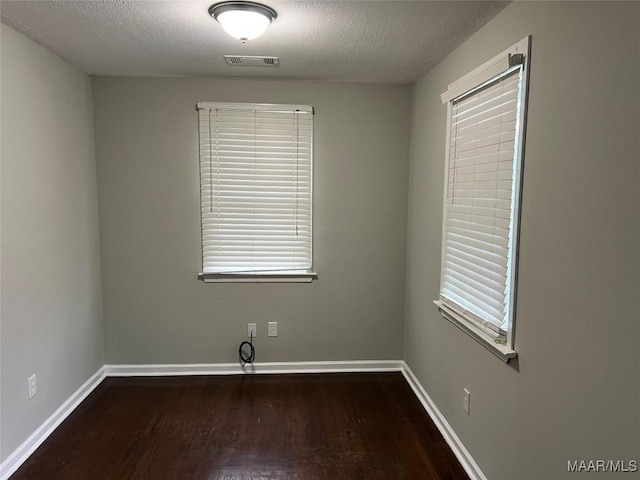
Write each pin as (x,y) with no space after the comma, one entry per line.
(485,134)
(256,185)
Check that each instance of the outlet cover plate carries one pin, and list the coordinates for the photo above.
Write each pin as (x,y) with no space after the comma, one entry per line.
(273,329)
(32,386)
(466,402)
(251,330)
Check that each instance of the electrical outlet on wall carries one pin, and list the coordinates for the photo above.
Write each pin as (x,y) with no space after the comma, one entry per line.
(32,386)
(273,329)
(251,330)
(466,401)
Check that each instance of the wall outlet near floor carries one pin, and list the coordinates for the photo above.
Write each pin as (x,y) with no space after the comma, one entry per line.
(32,385)
(466,401)
(251,330)
(273,329)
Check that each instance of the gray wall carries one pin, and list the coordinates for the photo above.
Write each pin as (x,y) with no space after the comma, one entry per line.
(51,297)
(574,393)
(156,311)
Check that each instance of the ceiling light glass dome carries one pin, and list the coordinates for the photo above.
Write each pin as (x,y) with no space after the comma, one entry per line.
(243,20)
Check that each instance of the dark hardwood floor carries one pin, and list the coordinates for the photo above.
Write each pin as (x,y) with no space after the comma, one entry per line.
(250,427)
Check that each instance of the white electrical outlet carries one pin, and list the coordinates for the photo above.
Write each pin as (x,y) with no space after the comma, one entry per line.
(32,386)
(466,402)
(273,329)
(251,330)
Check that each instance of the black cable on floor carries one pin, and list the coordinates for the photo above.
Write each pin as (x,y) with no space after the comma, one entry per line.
(252,352)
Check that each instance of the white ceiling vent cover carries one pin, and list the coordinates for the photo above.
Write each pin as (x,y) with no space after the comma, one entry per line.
(252,61)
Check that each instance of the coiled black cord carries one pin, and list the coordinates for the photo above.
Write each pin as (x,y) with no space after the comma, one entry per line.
(252,352)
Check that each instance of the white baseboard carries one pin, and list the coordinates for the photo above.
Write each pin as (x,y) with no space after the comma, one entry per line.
(20,455)
(459,450)
(24,451)
(256,368)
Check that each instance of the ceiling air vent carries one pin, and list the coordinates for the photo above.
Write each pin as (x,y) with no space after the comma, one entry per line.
(252,61)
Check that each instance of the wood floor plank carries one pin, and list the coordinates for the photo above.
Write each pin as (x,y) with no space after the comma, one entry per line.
(250,427)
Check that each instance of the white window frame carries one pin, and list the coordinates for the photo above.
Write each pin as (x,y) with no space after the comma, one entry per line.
(277,276)
(501,345)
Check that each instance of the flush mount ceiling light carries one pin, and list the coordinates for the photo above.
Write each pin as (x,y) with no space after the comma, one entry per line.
(243,20)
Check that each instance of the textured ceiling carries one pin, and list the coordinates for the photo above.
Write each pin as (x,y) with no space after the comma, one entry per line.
(353,41)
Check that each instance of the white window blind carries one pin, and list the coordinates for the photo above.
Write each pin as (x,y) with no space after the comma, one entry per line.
(486,118)
(480,201)
(256,171)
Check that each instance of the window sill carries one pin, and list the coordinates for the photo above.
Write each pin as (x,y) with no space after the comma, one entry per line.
(258,277)
(503,352)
